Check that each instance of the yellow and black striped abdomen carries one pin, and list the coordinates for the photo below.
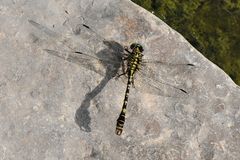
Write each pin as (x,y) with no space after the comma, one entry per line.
(133,65)
(121,118)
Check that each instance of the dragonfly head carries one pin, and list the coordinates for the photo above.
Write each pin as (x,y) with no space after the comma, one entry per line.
(136,46)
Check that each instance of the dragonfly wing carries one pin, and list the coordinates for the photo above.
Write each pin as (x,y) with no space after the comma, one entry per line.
(100,66)
(75,48)
(165,68)
(162,78)
(44,29)
(149,82)
(149,61)
(85,40)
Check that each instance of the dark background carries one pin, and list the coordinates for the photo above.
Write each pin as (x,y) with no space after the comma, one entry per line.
(211,26)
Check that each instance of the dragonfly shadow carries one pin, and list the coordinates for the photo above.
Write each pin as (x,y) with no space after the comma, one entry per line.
(110,58)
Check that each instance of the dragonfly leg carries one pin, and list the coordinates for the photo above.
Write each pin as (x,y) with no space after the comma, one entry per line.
(124,58)
(123,66)
(119,75)
(133,83)
(126,49)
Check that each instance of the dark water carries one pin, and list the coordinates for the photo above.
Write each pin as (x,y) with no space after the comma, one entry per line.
(212,27)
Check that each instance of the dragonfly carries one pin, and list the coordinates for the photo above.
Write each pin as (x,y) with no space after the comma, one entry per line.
(130,64)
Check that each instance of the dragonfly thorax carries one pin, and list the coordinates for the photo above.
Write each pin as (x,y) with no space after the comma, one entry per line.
(136,54)
(136,46)
(134,60)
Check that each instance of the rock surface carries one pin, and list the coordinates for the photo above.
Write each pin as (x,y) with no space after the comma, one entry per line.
(51,108)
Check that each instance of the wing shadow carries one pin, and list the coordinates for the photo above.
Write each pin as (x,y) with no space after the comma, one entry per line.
(114,51)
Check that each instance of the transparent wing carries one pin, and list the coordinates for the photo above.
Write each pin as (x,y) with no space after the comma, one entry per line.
(158,62)
(73,49)
(157,77)
(157,87)
(100,66)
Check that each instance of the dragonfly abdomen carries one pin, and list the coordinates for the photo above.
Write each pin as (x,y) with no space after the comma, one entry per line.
(121,118)
(135,58)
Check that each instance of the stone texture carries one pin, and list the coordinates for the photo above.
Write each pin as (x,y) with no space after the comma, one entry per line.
(51,108)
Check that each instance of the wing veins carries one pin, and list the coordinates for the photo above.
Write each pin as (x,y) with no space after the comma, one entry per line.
(165,63)
(155,81)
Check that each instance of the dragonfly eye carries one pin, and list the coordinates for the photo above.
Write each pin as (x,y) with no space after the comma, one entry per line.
(133,45)
(136,45)
(141,48)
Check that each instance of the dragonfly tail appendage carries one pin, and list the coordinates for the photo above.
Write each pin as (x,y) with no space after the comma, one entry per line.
(120,123)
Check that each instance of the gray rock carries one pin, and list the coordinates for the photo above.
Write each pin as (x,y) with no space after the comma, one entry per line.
(66,108)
